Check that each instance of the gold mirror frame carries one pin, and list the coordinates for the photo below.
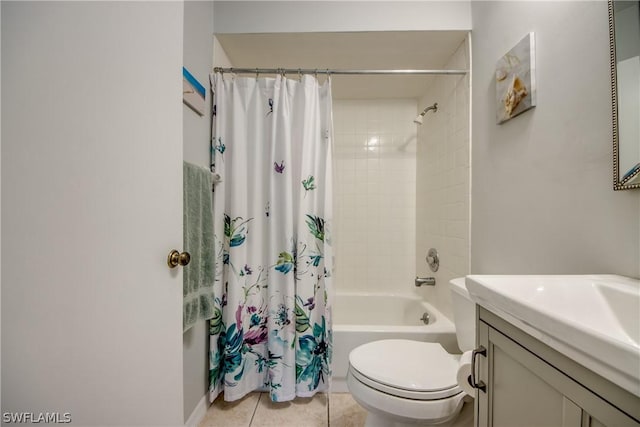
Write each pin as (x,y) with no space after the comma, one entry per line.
(617,185)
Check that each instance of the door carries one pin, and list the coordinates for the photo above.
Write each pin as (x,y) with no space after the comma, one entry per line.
(91,206)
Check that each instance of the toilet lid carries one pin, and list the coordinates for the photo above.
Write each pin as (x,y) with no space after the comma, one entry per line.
(409,367)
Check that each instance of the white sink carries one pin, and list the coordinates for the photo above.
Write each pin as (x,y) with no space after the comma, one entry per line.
(594,319)
(624,306)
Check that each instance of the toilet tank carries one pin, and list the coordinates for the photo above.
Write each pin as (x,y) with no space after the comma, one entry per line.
(464,314)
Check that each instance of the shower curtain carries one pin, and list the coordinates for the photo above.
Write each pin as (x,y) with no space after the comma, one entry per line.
(271,145)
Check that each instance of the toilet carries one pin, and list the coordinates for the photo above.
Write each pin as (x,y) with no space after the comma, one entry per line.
(408,383)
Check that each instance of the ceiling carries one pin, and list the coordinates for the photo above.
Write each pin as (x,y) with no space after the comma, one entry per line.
(354,50)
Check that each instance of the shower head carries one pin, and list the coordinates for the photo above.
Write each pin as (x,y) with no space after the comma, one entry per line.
(420,117)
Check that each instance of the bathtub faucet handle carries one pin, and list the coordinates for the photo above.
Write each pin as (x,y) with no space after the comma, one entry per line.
(430,281)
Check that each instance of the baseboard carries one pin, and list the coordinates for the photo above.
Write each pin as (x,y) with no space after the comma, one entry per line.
(339,385)
(198,412)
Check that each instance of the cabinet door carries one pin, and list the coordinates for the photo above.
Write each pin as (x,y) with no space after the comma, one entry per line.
(523,390)
(515,395)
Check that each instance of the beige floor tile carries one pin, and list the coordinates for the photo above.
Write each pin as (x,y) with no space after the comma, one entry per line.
(345,412)
(231,414)
(301,412)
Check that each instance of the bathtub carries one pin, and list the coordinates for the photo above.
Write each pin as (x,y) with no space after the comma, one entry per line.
(359,318)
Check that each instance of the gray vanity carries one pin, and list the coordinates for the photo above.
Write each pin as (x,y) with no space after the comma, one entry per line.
(556,350)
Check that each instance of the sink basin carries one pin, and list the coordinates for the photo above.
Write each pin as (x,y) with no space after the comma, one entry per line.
(624,306)
(594,319)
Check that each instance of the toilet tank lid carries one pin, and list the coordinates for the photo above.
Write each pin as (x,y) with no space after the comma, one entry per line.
(457,286)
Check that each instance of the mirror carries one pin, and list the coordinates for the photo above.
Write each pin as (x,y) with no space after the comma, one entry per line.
(624,44)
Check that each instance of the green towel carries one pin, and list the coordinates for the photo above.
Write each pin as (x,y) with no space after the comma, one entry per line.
(198,275)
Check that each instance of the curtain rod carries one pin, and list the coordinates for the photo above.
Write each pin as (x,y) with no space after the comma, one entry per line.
(336,72)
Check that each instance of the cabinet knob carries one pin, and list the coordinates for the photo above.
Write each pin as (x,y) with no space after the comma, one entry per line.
(176,258)
(480,385)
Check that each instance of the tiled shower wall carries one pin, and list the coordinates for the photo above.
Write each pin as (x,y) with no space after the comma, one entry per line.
(443,176)
(375,194)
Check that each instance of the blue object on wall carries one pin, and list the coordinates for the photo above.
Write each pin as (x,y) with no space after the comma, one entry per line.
(193,93)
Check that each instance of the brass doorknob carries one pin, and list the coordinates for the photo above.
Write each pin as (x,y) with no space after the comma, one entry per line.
(176,258)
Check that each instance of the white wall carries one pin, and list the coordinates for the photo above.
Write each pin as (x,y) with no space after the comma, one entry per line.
(198,50)
(0,198)
(91,314)
(542,198)
(311,16)
(375,178)
(442,181)
(220,57)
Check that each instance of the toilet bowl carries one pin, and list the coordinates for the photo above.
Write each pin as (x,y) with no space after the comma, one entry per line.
(408,383)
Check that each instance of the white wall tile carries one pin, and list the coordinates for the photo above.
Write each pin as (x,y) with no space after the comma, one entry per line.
(376,189)
(407,192)
(442,187)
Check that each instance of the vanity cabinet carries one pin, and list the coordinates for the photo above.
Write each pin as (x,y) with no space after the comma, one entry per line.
(529,384)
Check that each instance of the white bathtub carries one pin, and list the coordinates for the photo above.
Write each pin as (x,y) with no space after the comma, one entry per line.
(359,318)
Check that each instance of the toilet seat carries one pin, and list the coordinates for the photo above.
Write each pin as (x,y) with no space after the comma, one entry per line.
(385,409)
(418,371)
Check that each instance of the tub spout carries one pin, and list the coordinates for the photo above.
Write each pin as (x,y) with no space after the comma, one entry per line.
(430,281)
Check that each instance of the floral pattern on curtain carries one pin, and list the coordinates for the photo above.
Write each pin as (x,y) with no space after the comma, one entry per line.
(271,145)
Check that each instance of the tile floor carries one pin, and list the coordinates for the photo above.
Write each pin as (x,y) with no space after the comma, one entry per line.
(257,410)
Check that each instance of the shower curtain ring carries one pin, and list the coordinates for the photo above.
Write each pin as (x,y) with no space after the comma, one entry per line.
(257,73)
(299,74)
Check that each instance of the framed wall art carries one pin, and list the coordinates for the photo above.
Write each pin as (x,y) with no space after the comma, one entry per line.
(193,93)
(515,80)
